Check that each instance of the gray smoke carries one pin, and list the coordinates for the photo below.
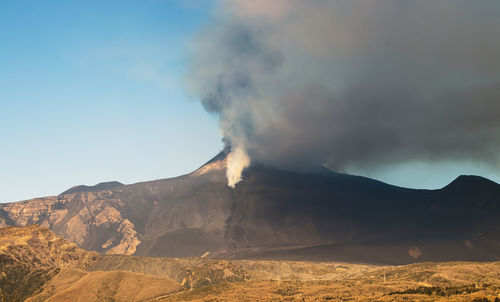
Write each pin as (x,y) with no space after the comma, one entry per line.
(353,83)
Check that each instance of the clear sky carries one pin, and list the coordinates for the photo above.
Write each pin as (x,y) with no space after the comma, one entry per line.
(91,91)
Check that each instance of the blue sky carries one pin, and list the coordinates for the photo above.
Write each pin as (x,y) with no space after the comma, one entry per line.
(91,91)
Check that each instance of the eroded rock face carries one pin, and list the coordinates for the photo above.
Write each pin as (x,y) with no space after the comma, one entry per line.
(92,220)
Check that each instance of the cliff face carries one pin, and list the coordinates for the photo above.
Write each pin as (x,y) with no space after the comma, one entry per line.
(93,220)
(272,214)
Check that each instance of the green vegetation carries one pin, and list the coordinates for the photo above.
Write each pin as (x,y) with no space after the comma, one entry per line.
(203,291)
(213,272)
(441,291)
(484,299)
(288,289)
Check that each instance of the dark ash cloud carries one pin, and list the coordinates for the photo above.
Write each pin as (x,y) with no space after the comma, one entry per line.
(354,83)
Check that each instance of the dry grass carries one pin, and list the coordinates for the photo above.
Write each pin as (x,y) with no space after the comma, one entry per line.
(35,263)
(74,285)
(417,282)
(319,291)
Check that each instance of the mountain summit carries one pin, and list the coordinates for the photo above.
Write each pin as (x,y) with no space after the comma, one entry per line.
(275,214)
(99,187)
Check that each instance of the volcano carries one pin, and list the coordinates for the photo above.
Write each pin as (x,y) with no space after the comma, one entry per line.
(274,214)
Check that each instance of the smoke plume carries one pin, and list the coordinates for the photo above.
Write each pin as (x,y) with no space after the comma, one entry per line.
(346,83)
(237,161)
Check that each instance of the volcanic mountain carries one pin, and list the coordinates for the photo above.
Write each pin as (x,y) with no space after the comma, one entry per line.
(274,214)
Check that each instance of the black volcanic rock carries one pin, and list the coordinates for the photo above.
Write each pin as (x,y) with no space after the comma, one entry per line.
(277,214)
(100,186)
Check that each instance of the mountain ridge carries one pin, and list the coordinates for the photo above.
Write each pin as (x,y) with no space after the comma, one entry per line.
(98,187)
(272,210)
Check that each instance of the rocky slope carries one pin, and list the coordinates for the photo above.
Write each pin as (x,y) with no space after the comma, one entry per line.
(36,265)
(273,214)
(30,256)
(93,220)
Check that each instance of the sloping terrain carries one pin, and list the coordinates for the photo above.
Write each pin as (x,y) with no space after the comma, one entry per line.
(274,214)
(99,187)
(39,266)
(75,285)
(30,256)
(395,286)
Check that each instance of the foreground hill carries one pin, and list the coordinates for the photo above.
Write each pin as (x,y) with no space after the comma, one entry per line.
(30,256)
(44,267)
(274,214)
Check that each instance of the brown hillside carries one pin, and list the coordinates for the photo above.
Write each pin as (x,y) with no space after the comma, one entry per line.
(75,285)
(38,266)
(30,256)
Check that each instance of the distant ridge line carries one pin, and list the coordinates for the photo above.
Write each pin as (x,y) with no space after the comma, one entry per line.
(100,186)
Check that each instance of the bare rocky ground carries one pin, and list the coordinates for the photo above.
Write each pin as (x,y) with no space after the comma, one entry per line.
(36,265)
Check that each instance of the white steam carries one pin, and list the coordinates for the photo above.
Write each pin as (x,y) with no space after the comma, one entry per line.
(237,161)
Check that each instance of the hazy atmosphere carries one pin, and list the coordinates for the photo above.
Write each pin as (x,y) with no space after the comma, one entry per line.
(97,91)
(249,150)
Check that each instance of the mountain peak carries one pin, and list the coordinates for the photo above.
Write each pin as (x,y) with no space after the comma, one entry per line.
(466,182)
(218,162)
(100,186)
